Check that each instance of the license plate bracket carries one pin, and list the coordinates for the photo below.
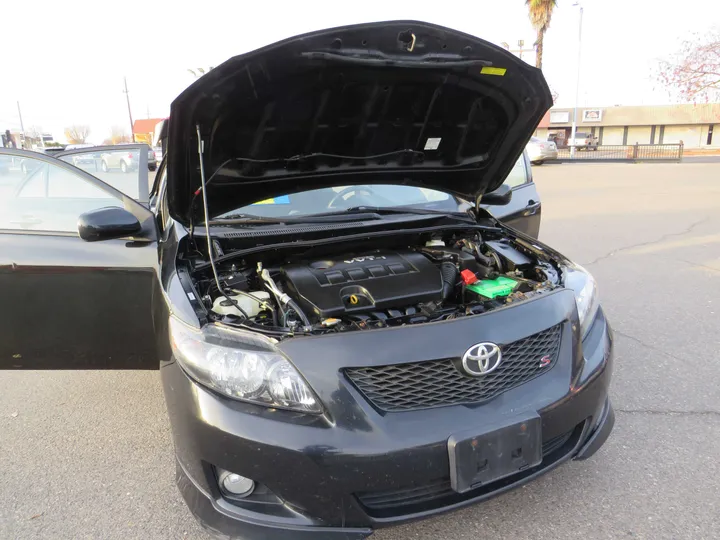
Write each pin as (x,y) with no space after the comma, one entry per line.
(500,451)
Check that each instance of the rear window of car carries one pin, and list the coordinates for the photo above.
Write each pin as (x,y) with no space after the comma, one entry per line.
(582,135)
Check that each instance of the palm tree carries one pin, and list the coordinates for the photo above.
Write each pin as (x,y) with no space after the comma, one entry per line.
(540,12)
(199,72)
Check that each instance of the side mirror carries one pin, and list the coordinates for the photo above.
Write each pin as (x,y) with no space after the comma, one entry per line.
(107,223)
(501,196)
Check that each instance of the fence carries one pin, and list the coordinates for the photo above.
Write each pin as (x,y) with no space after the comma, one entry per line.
(631,152)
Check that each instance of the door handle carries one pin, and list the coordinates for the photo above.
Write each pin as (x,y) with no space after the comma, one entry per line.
(532,208)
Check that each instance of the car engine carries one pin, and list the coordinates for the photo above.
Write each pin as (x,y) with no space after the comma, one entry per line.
(440,278)
(367,282)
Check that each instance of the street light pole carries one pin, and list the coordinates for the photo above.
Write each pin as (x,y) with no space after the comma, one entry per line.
(577,83)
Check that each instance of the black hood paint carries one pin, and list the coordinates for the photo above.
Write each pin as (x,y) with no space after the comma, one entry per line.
(355,91)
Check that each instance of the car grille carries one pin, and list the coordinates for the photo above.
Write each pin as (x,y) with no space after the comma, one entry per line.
(439,492)
(434,383)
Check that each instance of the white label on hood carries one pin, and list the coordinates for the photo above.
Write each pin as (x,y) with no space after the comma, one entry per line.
(432,143)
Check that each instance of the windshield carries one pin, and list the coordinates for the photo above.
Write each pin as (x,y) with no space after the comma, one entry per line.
(324,200)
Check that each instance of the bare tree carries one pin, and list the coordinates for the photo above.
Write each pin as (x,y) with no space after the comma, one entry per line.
(77,134)
(118,135)
(34,134)
(693,73)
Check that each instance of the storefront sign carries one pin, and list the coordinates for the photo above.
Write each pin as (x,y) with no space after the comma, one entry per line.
(592,115)
(559,117)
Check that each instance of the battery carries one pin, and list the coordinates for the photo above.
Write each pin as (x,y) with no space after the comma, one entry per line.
(492,288)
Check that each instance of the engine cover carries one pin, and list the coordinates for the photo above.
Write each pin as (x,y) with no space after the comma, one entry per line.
(357,283)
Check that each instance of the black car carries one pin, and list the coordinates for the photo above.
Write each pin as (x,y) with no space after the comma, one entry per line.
(338,276)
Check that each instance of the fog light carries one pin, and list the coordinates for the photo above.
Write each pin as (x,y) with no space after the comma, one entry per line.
(235,484)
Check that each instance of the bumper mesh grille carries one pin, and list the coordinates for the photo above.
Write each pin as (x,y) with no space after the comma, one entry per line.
(398,501)
(434,383)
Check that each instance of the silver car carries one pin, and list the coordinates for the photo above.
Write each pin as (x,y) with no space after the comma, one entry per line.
(540,151)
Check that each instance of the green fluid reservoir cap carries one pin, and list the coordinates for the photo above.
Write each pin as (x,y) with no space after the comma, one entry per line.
(492,288)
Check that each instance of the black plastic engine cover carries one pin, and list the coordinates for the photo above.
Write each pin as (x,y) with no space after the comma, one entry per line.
(356,283)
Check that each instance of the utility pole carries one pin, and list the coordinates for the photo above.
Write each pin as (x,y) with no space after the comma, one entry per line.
(519,52)
(22,127)
(573,148)
(127,96)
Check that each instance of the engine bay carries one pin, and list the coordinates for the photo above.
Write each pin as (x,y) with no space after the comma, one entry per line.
(430,278)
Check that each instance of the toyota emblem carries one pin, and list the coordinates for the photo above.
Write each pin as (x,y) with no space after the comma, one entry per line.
(481,359)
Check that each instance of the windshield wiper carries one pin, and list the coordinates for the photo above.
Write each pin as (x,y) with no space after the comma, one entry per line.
(355,213)
(331,217)
(402,210)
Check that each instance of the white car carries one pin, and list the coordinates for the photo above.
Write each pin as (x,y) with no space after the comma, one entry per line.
(540,151)
(585,140)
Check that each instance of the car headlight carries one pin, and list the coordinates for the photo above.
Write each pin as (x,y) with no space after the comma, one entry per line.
(241,365)
(586,294)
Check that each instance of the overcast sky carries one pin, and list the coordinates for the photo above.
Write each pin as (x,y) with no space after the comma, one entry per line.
(65,61)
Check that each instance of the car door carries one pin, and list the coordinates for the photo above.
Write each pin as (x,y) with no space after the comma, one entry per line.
(524,209)
(68,303)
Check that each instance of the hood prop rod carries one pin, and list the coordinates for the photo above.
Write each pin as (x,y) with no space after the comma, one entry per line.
(206,214)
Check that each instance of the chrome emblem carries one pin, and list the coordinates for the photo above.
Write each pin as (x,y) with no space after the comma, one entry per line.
(481,359)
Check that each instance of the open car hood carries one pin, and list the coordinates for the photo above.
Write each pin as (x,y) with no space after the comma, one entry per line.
(391,102)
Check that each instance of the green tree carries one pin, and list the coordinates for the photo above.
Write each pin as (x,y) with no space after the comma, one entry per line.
(540,12)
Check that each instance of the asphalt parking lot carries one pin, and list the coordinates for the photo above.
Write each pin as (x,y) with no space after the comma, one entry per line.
(89,454)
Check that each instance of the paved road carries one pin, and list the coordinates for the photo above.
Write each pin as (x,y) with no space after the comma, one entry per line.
(89,455)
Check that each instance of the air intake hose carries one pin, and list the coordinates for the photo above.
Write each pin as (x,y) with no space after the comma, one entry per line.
(449,277)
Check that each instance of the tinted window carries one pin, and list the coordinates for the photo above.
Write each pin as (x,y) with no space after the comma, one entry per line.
(50,198)
(118,167)
(35,186)
(65,184)
(518,175)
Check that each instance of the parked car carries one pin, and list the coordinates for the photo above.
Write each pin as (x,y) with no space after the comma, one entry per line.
(52,150)
(152,159)
(584,141)
(540,151)
(125,161)
(349,333)
(158,153)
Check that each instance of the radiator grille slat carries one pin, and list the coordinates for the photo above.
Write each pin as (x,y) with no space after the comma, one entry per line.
(434,383)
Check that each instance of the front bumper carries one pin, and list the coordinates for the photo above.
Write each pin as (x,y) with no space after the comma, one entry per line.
(330,476)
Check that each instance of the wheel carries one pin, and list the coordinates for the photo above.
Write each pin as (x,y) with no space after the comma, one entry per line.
(595,148)
(104,166)
(152,167)
(123,167)
(538,162)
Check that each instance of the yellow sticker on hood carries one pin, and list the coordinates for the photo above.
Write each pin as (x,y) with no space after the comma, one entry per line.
(493,71)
